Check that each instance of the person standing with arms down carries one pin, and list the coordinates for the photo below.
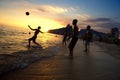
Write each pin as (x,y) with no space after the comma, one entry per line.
(34,36)
(74,37)
(88,38)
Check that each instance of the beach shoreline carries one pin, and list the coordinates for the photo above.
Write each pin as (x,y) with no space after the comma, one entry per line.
(22,59)
(97,64)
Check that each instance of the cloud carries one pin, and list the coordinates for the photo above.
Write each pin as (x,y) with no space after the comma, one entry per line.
(110,25)
(102,24)
(51,9)
(62,14)
(106,27)
(99,20)
(83,17)
(43,12)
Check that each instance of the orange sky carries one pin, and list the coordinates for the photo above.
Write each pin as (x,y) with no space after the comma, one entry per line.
(46,16)
(51,15)
(17,17)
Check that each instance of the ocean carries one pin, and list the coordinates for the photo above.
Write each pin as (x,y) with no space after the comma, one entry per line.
(16,39)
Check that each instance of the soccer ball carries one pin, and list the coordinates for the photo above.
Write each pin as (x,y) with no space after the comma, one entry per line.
(27,13)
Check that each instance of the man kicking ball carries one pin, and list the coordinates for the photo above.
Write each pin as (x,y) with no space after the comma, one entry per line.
(34,36)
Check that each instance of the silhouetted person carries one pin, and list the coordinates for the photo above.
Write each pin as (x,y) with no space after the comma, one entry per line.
(116,36)
(65,34)
(74,37)
(69,30)
(100,38)
(88,38)
(35,35)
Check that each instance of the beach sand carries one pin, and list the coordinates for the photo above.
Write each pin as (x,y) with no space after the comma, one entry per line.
(111,49)
(97,64)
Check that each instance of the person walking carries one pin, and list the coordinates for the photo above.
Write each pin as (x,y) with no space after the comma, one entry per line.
(88,38)
(74,37)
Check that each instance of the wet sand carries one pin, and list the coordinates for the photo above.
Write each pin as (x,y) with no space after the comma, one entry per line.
(111,49)
(97,64)
(22,59)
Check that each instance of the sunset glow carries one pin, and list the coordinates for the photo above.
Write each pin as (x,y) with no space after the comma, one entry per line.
(50,15)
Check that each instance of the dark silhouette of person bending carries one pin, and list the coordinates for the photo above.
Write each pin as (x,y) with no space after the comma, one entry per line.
(34,36)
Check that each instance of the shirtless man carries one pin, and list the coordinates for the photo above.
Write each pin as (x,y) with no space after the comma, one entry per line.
(74,37)
(35,35)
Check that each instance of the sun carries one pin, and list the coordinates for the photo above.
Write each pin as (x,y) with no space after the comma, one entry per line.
(45,29)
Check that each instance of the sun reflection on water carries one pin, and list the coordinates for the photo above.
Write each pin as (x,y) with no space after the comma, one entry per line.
(47,40)
(16,40)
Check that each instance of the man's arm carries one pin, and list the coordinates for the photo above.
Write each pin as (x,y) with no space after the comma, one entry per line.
(41,32)
(31,28)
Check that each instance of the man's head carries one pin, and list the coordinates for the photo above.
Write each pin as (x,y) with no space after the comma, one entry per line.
(74,21)
(88,27)
(39,27)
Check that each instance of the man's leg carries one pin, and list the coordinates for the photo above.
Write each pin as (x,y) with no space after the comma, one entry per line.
(34,41)
(71,52)
(29,42)
(85,46)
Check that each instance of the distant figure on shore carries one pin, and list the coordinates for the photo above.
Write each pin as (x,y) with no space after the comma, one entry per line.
(34,36)
(65,34)
(74,37)
(116,35)
(100,38)
(88,38)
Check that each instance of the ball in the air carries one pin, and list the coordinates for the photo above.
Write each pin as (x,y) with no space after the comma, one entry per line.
(27,13)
